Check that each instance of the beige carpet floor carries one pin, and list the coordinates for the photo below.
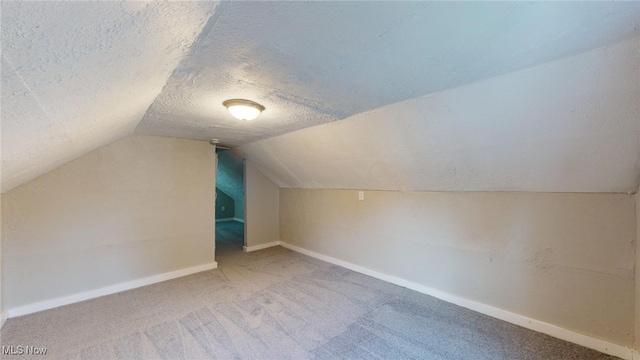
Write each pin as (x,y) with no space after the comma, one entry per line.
(276,304)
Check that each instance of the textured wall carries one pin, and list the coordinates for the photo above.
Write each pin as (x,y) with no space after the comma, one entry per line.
(224,205)
(566,126)
(135,208)
(565,259)
(262,208)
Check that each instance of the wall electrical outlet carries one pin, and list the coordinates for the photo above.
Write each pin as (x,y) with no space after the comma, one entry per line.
(222,208)
(360,195)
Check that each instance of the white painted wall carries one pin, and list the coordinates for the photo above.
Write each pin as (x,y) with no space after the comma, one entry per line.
(564,259)
(262,205)
(138,207)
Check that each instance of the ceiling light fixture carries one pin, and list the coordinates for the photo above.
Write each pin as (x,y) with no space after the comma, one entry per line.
(243,109)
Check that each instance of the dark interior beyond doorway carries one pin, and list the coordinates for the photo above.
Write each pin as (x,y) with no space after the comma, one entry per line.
(229,237)
(229,187)
(229,203)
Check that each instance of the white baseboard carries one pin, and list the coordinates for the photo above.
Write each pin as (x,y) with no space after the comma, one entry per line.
(535,325)
(230,219)
(108,290)
(3,318)
(260,247)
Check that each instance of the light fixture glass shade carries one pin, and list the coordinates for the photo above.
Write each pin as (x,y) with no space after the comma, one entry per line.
(243,109)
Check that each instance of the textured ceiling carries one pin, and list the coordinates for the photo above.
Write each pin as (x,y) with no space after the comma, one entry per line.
(572,125)
(315,62)
(78,75)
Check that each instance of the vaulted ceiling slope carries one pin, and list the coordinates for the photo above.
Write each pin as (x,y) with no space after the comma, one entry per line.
(78,75)
(572,125)
(315,62)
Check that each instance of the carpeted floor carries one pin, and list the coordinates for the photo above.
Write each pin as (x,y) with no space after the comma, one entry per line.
(229,238)
(276,304)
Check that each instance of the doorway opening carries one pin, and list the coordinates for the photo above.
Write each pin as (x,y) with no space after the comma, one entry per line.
(230,201)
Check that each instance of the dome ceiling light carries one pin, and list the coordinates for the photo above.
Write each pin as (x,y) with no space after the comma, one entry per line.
(243,109)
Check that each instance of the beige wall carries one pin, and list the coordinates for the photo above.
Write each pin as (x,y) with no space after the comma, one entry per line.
(565,259)
(2,309)
(261,208)
(638,270)
(139,207)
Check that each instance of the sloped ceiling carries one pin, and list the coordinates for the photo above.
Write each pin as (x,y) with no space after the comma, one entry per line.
(78,75)
(310,63)
(572,125)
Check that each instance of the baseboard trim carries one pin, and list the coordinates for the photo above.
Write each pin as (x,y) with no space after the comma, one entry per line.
(230,219)
(260,247)
(532,324)
(107,290)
